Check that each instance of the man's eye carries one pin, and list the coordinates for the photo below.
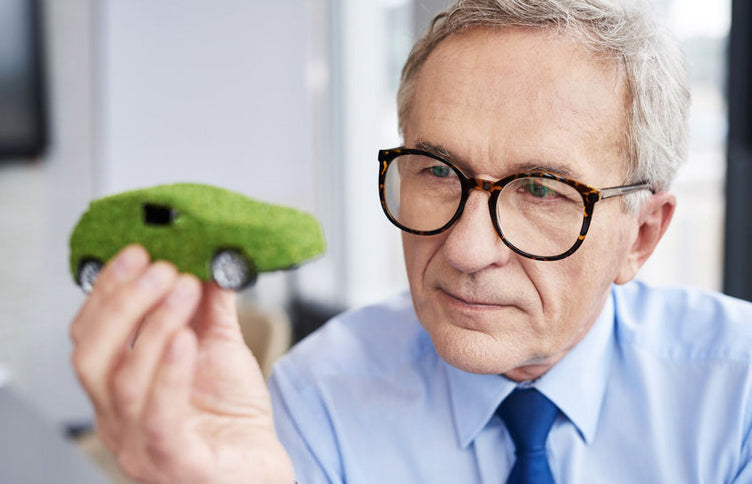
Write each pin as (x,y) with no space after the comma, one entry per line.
(540,191)
(440,171)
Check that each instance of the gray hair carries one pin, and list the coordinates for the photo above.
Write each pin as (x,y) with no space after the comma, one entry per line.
(656,79)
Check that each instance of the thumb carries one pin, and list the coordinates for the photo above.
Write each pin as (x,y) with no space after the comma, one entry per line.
(217,313)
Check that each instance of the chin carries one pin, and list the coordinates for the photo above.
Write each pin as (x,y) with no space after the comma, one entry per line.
(473,351)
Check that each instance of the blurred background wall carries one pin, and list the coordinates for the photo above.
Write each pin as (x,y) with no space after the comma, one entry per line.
(284,100)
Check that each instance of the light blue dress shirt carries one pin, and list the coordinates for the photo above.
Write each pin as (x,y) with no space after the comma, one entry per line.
(657,392)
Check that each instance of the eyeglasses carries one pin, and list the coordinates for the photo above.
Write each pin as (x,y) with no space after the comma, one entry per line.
(539,215)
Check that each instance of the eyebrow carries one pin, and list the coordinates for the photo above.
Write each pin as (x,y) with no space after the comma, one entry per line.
(437,150)
(529,166)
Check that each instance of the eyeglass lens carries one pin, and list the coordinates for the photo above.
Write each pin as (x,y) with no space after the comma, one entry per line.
(539,216)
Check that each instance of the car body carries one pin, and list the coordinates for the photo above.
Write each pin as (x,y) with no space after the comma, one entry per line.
(192,225)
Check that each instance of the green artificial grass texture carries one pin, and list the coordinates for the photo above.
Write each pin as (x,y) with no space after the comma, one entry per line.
(208,219)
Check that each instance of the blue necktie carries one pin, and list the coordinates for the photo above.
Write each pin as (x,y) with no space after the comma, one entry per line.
(529,415)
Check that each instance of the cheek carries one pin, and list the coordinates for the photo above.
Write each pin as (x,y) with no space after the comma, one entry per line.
(418,251)
(574,290)
(559,286)
(609,240)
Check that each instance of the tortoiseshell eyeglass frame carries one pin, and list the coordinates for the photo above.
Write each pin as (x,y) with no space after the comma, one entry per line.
(590,196)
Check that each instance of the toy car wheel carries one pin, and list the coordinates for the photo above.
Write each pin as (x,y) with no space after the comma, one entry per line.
(88,271)
(231,270)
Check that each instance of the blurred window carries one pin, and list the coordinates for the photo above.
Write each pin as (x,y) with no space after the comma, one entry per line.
(691,252)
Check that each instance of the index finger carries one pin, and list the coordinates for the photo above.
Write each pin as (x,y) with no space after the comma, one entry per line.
(108,325)
(126,266)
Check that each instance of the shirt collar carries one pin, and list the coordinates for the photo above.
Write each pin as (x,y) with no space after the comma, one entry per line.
(474,400)
(576,384)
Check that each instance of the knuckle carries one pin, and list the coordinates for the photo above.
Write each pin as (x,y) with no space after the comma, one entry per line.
(127,391)
(156,434)
(121,302)
(159,452)
(160,325)
(169,455)
(159,441)
(80,361)
(83,319)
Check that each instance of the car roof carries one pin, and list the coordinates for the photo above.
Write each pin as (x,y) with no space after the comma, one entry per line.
(208,203)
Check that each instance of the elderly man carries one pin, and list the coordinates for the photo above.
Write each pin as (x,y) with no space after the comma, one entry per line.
(539,141)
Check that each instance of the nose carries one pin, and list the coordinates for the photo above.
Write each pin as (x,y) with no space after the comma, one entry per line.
(472,243)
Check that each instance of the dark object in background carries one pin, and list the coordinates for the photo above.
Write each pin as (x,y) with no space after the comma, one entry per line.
(307,316)
(23,123)
(737,267)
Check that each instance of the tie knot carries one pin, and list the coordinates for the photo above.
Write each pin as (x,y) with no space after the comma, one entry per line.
(528,415)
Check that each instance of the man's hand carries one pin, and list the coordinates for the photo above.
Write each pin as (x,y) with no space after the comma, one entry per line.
(177,394)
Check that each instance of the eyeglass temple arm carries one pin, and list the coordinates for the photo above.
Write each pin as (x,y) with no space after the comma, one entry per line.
(616,191)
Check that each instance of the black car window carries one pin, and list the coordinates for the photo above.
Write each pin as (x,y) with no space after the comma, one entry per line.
(158,214)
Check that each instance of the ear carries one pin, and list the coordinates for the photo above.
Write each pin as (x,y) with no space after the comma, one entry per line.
(653,219)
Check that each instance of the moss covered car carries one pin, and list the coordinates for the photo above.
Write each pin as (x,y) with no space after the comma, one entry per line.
(207,231)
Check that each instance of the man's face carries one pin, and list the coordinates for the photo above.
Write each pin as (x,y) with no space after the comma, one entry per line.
(499,101)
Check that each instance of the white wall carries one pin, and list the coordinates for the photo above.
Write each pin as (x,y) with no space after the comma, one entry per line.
(146,92)
(207,91)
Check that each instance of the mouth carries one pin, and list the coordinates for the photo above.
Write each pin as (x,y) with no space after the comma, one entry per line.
(470,302)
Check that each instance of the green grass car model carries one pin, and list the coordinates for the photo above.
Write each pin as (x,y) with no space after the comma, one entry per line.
(207,231)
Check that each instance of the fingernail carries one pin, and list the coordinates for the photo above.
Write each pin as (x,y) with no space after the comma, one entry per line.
(154,277)
(126,260)
(183,290)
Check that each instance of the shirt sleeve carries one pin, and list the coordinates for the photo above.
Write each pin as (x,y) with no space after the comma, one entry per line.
(304,427)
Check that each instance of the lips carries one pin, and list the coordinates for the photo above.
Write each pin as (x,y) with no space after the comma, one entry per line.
(473,300)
